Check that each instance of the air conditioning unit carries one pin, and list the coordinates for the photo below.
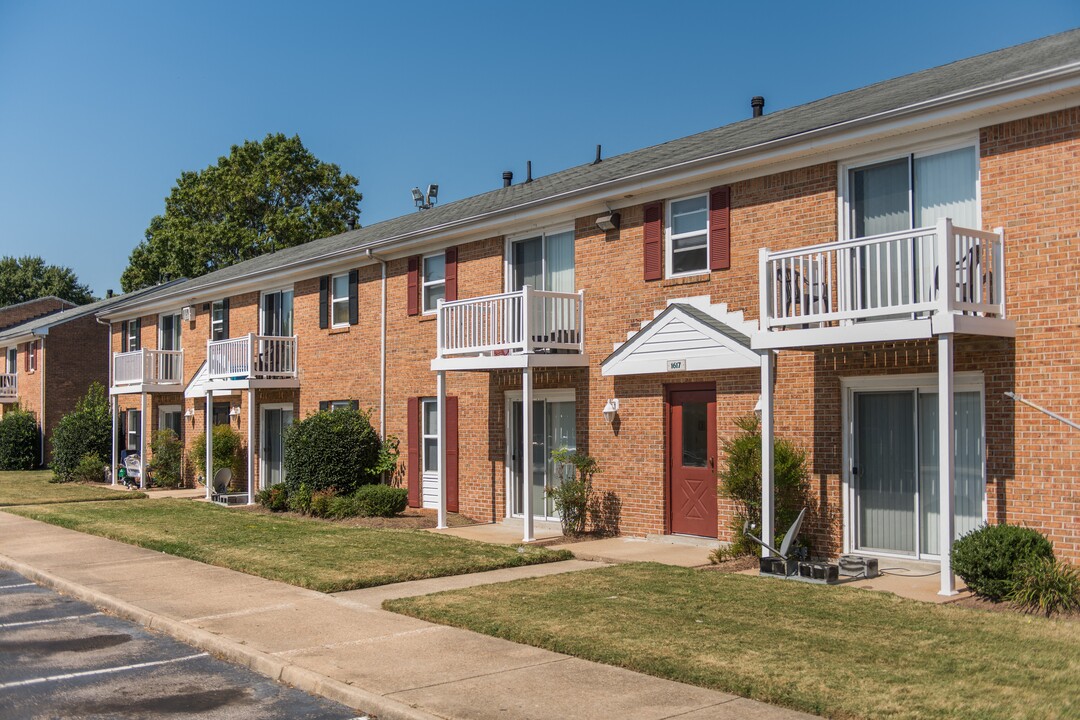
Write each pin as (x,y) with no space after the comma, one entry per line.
(858,566)
(187,313)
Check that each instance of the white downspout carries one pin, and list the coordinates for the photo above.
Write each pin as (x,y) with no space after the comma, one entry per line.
(41,377)
(382,348)
(112,399)
(768,532)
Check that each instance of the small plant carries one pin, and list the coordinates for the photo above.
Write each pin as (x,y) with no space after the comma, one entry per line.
(226,451)
(273,498)
(320,502)
(85,430)
(300,499)
(336,449)
(991,558)
(1047,586)
(19,438)
(167,458)
(571,496)
(91,468)
(740,481)
(381,500)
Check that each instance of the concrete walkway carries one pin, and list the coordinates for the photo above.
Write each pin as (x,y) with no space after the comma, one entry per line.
(346,648)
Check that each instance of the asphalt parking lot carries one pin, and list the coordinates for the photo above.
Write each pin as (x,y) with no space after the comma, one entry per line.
(61,658)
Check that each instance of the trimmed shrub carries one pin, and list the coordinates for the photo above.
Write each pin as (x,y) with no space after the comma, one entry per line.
(320,502)
(274,498)
(991,559)
(19,438)
(381,500)
(300,500)
(226,450)
(87,430)
(91,468)
(335,449)
(167,458)
(740,481)
(1047,586)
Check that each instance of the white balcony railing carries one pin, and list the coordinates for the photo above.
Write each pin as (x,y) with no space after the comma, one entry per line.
(252,357)
(914,273)
(156,367)
(9,387)
(521,322)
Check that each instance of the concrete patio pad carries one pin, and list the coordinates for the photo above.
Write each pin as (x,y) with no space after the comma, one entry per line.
(508,532)
(626,549)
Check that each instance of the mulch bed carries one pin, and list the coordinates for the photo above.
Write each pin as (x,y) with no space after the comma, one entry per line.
(739,564)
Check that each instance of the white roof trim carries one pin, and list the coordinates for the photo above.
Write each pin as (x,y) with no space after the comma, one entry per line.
(681,333)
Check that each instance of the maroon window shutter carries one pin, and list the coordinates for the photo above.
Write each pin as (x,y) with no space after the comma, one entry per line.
(324,302)
(451,454)
(413,457)
(654,241)
(451,274)
(414,285)
(720,228)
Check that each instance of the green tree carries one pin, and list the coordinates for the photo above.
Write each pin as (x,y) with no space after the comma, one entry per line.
(85,431)
(28,278)
(261,197)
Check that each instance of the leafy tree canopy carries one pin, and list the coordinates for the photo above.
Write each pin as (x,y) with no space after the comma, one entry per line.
(262,197)
(29,278)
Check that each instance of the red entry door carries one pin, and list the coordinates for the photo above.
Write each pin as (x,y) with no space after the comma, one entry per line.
(691,450)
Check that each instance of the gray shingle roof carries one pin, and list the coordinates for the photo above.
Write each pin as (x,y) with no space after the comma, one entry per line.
(63,316)
(1011,63)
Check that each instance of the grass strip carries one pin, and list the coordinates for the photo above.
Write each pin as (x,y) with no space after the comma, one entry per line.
(34,488)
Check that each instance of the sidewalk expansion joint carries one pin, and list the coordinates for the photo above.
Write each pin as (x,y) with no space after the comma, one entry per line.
(361,641)
(700,709)
(241,613)
(528,666)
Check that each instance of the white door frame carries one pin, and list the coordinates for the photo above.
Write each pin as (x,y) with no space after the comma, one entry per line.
(262,428)
(970,381)
(553,395)
(163,409)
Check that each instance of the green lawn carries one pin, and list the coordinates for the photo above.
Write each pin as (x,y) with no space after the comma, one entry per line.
(319,555)
(838,652)
(34,488)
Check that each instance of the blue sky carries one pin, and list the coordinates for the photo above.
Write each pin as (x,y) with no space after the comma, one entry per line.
(103,104)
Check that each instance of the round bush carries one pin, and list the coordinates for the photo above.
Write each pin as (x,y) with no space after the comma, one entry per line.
(381,500)
(991,559)
(333,449)
(91,468)
(87,430)
(18,440)
(167,458)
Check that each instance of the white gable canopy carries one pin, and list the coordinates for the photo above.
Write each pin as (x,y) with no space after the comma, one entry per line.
(685,338)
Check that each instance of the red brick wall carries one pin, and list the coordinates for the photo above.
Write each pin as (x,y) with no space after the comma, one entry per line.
(14,314)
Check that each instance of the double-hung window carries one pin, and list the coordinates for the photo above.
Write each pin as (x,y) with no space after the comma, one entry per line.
(12,360)
(434,281)
(339,300)
(218,327)
(688,236)
(543,262)
(31,356)
(429,415)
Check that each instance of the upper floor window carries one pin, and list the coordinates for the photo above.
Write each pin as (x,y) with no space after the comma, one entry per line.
(913,191)
(543,262)
(339,300)
(219,320)
(434,284)
(169,332)
(12,360)
(277,313)
(31,356)
(688,236)
(130,335)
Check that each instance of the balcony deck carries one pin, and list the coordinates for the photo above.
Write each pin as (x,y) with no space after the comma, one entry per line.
(146,370)
(9,388)
(883,288)
(527,328)
(252,361)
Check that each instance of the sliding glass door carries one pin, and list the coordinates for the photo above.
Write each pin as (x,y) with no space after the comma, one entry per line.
(553,421)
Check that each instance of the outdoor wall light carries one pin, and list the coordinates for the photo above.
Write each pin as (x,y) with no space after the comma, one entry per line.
(608,222)
(235,412)
(190,412)
(610,410)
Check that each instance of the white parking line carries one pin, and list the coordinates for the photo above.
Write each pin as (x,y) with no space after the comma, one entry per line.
(106,671)
(24,623)
(8,587)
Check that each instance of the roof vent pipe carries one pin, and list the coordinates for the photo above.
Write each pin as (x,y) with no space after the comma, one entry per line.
(508,178)
(528,171)
(757,103)
(598,159)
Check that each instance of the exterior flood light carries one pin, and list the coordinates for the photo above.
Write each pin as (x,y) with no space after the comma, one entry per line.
(235,412)
(610,410)
(425,201)
(608,222)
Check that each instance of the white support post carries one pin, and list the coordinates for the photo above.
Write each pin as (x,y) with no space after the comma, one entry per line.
(764,285)
(209,474)
(115,411)
(768,533)
(946,461)
(440,391)
(526,456)
(526,313)
(142,443)
(251,446)
(947,256)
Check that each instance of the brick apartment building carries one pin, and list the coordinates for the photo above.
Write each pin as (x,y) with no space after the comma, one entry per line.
(53,351)
(854,257)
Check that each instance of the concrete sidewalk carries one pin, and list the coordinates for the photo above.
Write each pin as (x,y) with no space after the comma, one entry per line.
(346,648)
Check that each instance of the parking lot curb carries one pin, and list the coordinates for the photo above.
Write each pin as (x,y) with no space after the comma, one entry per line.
(229,650)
